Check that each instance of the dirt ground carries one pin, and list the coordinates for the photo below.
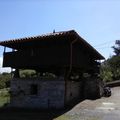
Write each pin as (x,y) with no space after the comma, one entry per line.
(100,109)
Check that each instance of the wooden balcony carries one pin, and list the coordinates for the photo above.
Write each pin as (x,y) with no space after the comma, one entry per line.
(21,60)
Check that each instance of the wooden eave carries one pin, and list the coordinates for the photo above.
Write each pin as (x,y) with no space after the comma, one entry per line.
(36,40)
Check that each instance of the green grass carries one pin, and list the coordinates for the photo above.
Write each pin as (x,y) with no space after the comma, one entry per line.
(63,117)
(4,97)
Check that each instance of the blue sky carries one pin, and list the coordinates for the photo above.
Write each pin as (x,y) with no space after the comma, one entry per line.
(97,21)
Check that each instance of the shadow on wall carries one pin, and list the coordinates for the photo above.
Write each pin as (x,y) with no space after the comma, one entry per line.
(9,113)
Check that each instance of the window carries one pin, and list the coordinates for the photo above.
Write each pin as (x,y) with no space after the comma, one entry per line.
(34,89)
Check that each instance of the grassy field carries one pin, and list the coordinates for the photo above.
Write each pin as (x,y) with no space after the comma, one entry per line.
(4,97)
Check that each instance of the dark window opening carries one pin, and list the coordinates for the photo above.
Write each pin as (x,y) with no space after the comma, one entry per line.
(34,89)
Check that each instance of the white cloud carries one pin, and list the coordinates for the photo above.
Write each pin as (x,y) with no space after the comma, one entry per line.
(3,69)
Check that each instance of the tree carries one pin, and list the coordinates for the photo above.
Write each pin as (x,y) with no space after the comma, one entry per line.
(117,48)
(105,72)
(110,69)
(114,63)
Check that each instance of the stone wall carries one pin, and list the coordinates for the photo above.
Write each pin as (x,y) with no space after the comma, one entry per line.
(50,93)
(73,92)
(93,88)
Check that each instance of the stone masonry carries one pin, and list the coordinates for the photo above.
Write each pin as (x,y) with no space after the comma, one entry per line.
(50,93)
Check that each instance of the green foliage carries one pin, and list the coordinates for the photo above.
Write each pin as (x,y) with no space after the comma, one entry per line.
(110,69)
(27,73)
(114,63)
(4,97)
(116,48)
(106,75)
(5,80)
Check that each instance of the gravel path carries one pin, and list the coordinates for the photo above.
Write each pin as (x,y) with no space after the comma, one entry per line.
(100,109)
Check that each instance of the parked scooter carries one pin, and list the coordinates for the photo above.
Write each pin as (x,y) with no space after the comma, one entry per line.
(107,91)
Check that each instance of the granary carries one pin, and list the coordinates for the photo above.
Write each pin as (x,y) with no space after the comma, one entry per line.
(62,62)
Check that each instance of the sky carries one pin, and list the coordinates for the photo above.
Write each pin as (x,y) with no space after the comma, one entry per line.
(97,21)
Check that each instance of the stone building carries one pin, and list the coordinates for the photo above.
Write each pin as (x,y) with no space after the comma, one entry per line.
(61,61)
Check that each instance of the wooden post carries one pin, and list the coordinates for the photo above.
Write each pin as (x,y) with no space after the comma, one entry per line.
(67,72)
(16,73)
(4,50)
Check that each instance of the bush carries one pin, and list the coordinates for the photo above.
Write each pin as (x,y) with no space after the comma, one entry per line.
(5,80)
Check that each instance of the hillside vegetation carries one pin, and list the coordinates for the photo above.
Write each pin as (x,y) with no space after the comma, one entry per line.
(110,69)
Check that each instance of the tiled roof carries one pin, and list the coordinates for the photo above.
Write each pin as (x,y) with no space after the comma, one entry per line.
(15,43)
(26,39)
